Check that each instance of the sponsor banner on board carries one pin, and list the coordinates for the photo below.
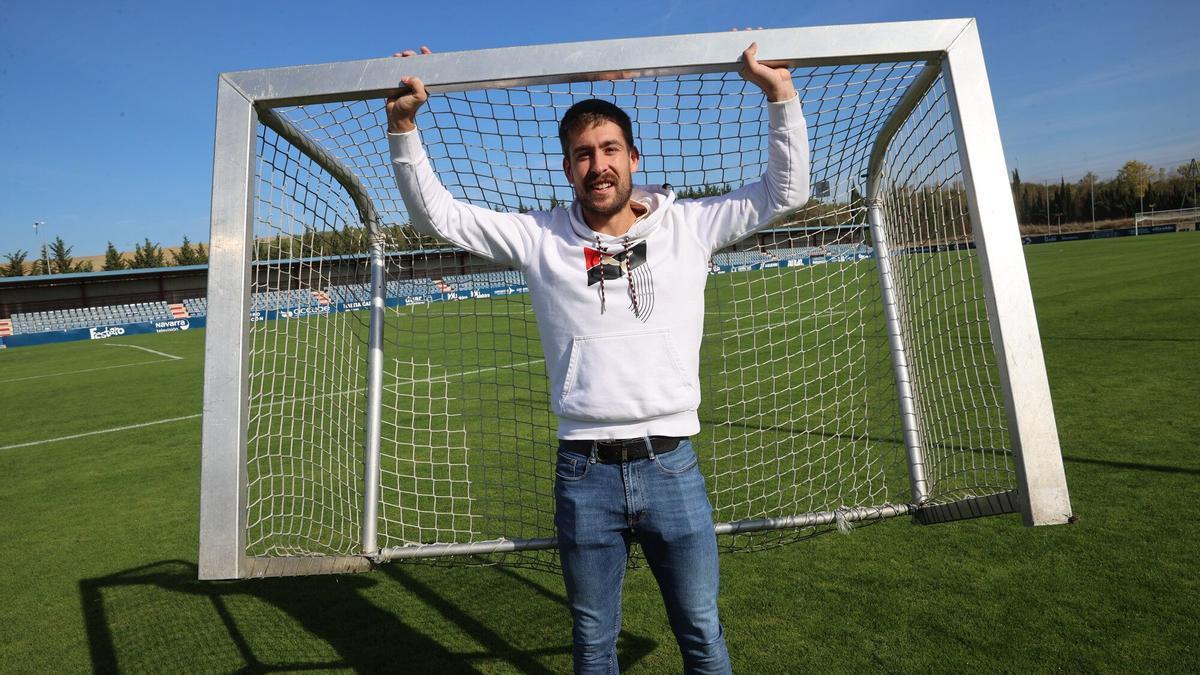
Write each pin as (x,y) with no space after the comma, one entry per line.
(314,310)
(1098,234)
(172,326)
(105,332)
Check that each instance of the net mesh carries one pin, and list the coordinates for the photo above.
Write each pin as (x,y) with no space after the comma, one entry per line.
(945,325)
(799,410)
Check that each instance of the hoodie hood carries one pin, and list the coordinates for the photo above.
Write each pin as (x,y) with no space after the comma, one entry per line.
(655,198)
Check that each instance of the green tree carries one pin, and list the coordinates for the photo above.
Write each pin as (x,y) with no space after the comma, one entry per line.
(113,259)
(190,255)
(147,255)
(61,260)
(15,265)
(39,265)
(1066,201)
(1134,179)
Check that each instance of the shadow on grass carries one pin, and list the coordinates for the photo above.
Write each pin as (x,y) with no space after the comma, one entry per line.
(172,621)
(1114,338)
(1132,466)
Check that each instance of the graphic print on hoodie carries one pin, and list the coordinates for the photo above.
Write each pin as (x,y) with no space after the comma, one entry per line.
(630,262)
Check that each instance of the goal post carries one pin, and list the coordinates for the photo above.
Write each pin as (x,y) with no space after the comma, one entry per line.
(374,395)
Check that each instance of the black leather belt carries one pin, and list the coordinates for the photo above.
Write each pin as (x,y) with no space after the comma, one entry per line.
(623,450)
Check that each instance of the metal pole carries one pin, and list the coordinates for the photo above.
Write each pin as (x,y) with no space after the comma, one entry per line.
(1195,183)
(370,543)
(857,514)
(37,230)
(1041,481)
(900,367)
(1092,189)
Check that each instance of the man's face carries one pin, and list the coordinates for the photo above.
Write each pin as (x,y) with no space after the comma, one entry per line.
(600,166)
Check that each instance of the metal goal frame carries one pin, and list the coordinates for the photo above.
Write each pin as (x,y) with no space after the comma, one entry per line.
(949,48)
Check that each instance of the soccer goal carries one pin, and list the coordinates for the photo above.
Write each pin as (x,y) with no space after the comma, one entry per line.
(374,395)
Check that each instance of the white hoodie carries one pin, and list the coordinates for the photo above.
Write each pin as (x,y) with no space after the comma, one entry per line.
(623,353)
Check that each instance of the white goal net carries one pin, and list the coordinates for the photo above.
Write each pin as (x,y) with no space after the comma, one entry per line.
(805,427)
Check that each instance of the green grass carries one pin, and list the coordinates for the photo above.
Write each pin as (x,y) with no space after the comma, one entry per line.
(98,534)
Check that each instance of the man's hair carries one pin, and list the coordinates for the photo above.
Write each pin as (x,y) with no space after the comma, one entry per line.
(590,113)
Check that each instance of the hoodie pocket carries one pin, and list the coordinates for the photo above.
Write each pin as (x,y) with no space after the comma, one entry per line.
(626,377)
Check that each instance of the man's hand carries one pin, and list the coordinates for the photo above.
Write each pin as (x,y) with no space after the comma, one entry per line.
(402,109)
(774,80)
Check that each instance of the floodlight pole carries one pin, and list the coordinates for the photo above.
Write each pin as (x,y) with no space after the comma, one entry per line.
(37,225)
(1092,190)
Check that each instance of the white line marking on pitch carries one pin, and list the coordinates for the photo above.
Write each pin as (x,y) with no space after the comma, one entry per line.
(390,387)
(269,403)
(145,349)
(448,376)
(90,370)
(259,405)
(97,433)
(167,357)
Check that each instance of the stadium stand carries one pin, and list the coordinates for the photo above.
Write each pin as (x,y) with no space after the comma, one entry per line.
(411,287)
(351,293)
(196,306)
(741,258)
(88,317)
(482,280)
(283,299)
(830,251)
(797,253)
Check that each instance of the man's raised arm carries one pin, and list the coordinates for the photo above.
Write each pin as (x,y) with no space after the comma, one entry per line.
(722,220)
(504,237)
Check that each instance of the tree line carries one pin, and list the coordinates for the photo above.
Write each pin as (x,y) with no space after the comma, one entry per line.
(1136,187)
(58,258)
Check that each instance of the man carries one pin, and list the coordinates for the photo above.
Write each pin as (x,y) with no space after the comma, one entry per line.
(617,284)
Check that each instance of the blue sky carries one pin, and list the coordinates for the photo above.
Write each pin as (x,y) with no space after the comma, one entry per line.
(107,108)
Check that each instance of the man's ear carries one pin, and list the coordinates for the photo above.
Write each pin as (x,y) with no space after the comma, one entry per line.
(633,159)
(567,170)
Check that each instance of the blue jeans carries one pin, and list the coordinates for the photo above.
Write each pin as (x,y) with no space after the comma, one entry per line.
(662,502)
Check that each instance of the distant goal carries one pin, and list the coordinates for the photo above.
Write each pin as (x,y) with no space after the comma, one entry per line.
(372,395)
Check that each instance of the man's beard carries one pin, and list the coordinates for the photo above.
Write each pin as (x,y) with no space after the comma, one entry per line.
(623,190)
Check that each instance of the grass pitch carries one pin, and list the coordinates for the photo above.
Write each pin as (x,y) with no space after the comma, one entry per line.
(99,463)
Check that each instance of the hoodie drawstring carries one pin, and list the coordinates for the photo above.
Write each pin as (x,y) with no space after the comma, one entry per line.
(625,247)
(632,286)
(600,248)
